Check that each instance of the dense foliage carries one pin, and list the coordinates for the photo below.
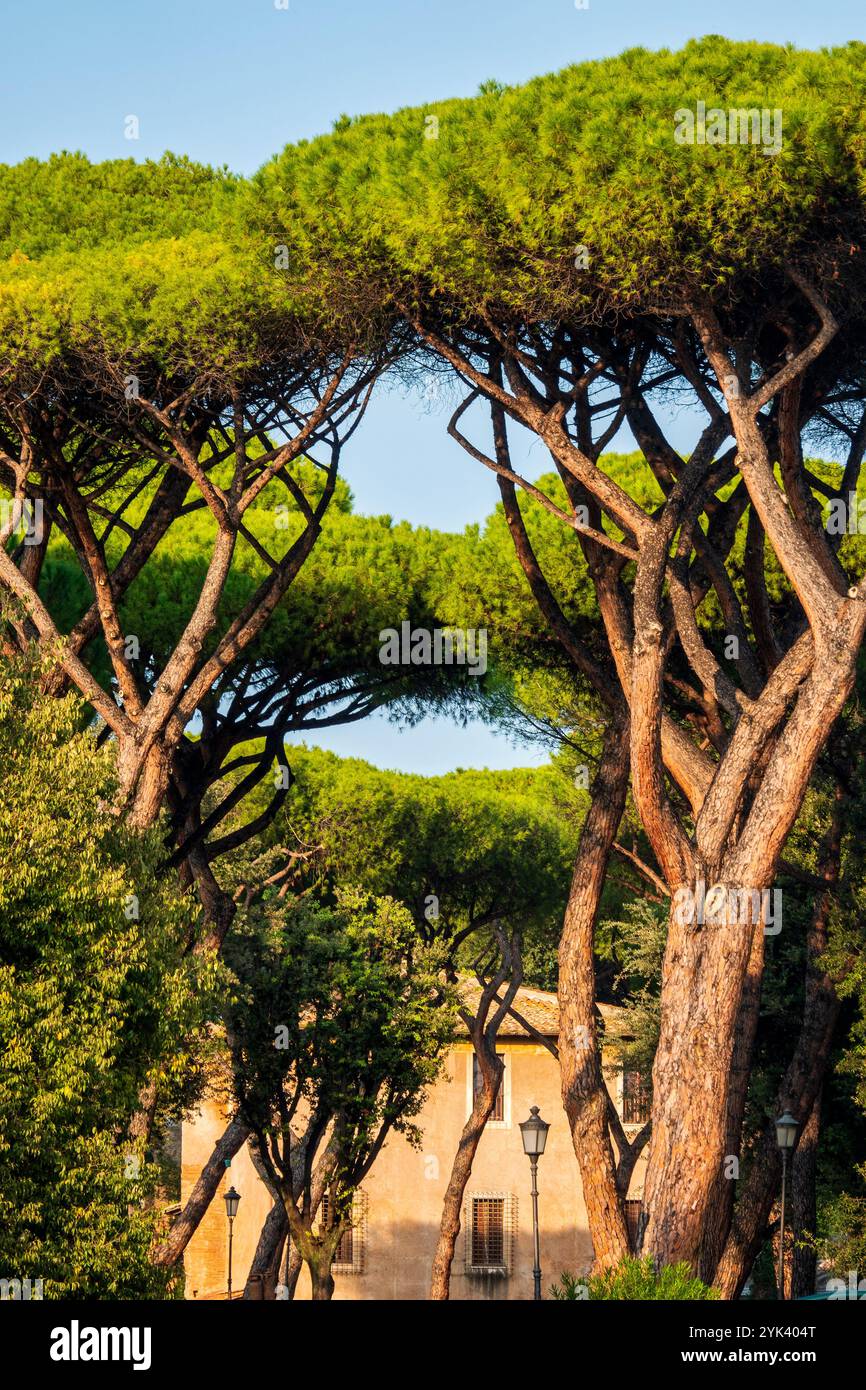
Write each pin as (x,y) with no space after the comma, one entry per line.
(635,1279)
(97,998)
(490,202)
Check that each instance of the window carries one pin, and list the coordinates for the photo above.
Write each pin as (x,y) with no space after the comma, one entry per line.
(488,1231)
(344,1251)
(497,1115)
(632,1217)
(636,1097)
(490,1218)
(349,1255)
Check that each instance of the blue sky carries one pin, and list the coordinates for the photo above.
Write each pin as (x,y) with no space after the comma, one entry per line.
(232,81)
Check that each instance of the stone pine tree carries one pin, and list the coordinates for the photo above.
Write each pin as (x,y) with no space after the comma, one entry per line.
(160,364)
(811,965)
(580,253)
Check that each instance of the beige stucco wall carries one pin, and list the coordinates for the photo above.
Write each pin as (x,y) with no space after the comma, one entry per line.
(404,1192)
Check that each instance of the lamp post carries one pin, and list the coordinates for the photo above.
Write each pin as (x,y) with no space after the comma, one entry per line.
(231,1199)
(533,1132)
(786,1136)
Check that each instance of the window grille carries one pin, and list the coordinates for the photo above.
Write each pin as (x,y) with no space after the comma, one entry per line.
(636,1097)
(632,1219)
(350,1255)
(489,1222)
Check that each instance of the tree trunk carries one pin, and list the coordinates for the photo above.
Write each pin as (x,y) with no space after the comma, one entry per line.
(483,1029)
(584,1094)
(800,1258)
(798,1090)
(744,798)
(322,1280)
(704,975)
(801,1262)
(142,783)
(800,1087)
(492,1069)
(265,1266)
(701,988)
(187,1223)
(286,1230)
(142,1121)
(718,1222)
(292,1263)
(218,907)
(316,1250)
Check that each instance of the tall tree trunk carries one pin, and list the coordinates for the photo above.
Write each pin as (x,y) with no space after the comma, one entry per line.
(142,783)
(218,906)
(701,987)
(491,1069)
(703,979)
(801,1258)
(749,1227)
(483,1029)
(584,1094)
(265,1267)
(800,1086)
(198,1201)
(721,1206)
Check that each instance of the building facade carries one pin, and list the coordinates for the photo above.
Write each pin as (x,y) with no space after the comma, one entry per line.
(388,1253)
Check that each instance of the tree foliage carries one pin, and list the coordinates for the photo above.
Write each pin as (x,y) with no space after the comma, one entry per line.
(97,998)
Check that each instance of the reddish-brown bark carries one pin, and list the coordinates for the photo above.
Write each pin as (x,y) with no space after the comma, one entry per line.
(184,1227)
(722,748)
(584,1094)
(483,1027)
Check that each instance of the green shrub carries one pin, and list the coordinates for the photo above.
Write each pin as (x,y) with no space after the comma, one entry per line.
(635,1279)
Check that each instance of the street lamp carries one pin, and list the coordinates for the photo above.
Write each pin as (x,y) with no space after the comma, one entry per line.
(231,1199)
(533,1132)
(786,1137)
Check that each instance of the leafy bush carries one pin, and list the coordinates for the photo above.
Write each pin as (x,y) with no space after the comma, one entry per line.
(635,1279)
(98,997)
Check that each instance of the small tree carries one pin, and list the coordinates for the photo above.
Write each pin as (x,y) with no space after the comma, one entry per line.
(340,1023)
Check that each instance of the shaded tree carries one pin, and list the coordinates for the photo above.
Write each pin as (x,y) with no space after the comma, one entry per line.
(340,1024)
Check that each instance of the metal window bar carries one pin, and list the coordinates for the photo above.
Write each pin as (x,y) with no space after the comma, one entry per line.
(636,1098)
(632,1218)
(349,1257)
(489,1222)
